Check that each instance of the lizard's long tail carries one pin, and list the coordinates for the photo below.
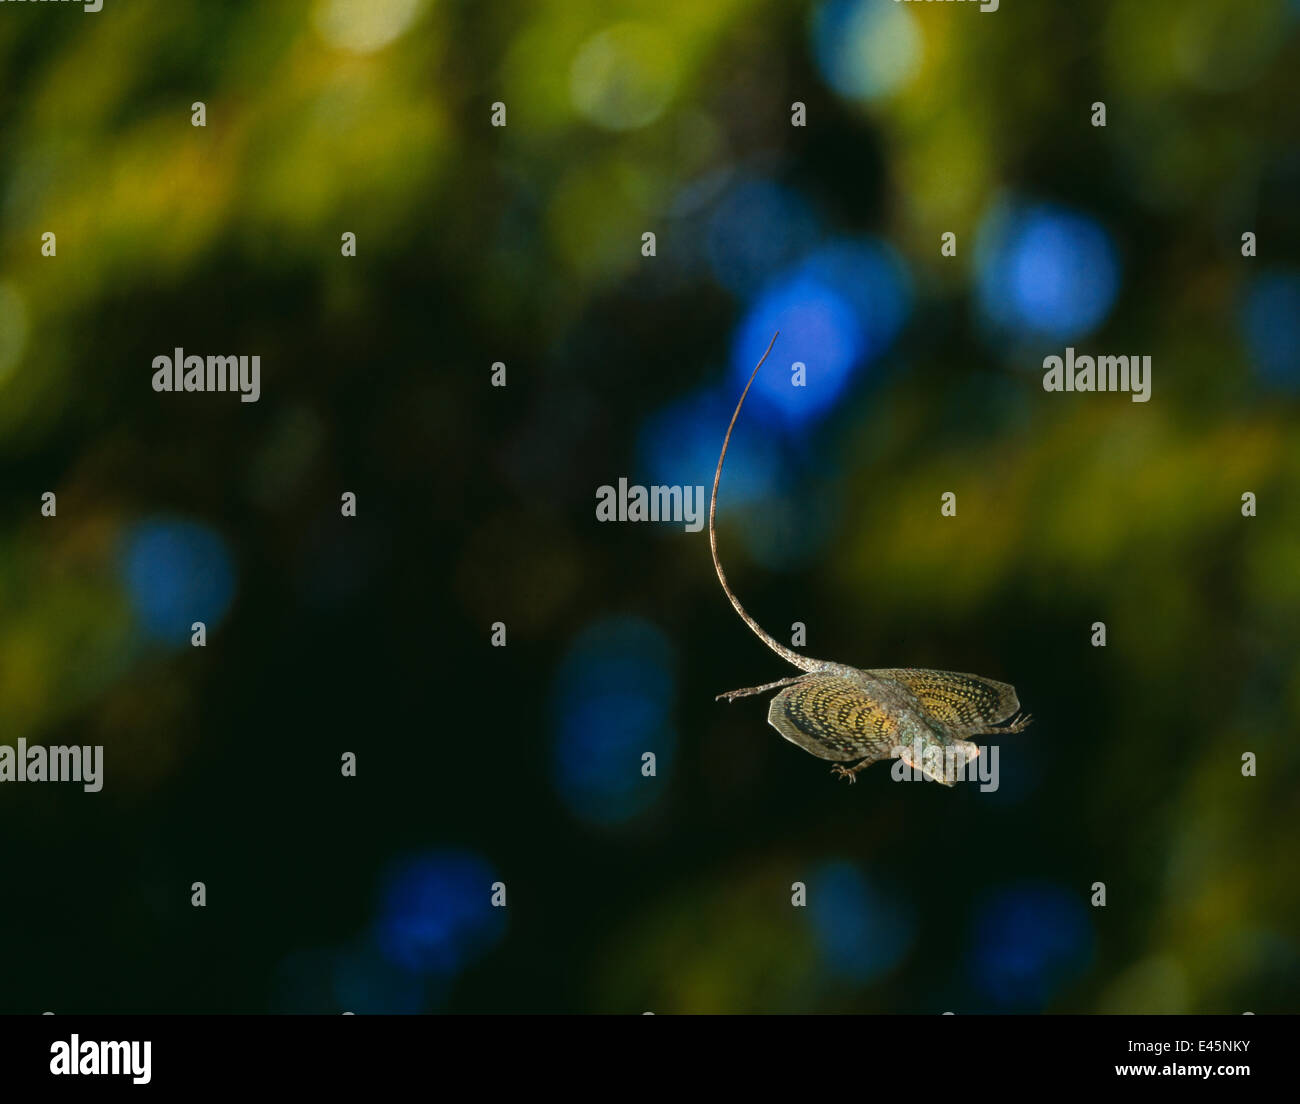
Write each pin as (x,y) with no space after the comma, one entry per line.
(802,662)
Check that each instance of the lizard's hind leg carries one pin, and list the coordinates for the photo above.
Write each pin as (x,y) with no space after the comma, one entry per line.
(732,695)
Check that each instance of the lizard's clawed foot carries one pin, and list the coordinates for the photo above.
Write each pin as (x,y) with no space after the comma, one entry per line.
(1018,725)
(843,772)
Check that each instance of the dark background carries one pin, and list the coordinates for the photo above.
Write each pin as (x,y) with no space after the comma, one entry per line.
(522,244)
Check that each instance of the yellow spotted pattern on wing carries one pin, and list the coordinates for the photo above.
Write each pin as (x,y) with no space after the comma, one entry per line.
(834,718)
(956,700)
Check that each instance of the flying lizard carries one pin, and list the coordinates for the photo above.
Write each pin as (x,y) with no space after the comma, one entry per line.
(850,715)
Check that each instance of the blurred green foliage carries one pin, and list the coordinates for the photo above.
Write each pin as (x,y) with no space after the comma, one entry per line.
(521,244)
